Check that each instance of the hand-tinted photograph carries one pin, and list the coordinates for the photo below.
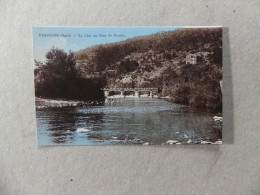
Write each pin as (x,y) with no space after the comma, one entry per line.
(128,85)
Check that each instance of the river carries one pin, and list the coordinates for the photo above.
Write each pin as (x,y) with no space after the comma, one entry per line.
(126,121)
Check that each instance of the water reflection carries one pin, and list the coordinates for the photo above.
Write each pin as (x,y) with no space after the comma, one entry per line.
(126,121)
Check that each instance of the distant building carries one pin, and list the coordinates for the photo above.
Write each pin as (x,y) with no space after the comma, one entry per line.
(191,59)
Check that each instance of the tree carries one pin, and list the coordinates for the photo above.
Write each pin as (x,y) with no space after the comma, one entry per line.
(60,63)
(58,79)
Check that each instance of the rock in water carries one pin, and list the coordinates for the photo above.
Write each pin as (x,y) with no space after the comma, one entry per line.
(172,142)
(205,142)
(82,130)
(217,118)
(217,142)
(189,141)
(145,144)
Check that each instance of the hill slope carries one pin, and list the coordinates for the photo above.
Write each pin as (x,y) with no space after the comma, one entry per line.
(159,61)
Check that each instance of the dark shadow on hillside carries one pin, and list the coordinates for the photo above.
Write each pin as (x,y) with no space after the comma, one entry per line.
(228,100)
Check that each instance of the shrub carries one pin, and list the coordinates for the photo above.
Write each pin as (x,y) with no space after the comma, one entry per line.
(127,66)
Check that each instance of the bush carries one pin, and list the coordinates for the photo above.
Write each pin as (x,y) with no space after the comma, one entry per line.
(127,66)
(180,93)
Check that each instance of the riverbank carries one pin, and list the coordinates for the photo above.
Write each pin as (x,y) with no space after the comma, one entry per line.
(52,103)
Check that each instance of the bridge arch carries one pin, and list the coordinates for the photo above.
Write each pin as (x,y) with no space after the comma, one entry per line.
(111,93)
(142,93)
(126,93)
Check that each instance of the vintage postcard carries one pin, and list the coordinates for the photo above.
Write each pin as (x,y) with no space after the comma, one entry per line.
(128,85)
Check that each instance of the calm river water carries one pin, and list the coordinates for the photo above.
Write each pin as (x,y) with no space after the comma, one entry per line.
(126,121)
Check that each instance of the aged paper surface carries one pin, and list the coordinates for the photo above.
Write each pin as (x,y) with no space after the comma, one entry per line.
(230,168)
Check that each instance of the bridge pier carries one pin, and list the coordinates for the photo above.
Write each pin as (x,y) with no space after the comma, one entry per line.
(106,93)
(121,93)
(151,94)
(136,94)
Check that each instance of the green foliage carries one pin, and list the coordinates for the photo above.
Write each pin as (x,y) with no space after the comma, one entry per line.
(168,55)
(197,85)
(128,65)
(58,79)
(180,93)
(60,63)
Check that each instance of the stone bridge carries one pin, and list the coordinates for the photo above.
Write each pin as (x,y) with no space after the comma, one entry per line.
(124,91)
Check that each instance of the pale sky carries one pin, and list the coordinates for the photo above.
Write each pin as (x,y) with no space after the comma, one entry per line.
(84,37)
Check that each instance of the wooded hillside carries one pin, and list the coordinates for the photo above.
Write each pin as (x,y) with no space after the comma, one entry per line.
(159,61)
